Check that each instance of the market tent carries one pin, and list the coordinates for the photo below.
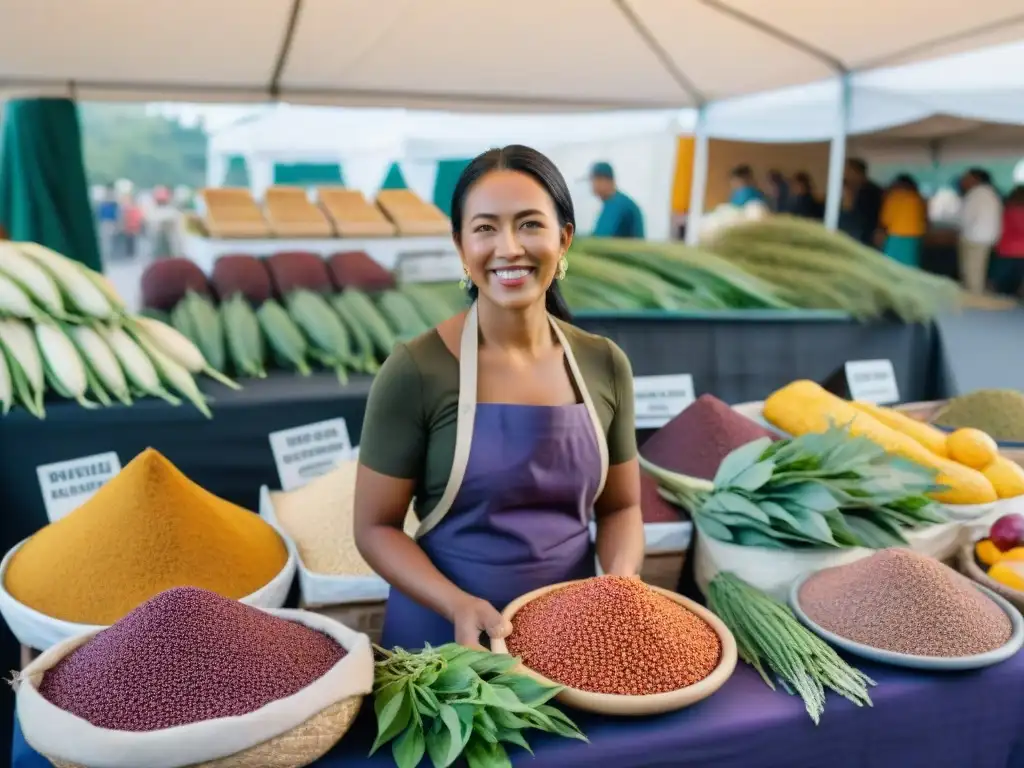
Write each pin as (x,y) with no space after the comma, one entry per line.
(362,142)
(454,54)
(950,98)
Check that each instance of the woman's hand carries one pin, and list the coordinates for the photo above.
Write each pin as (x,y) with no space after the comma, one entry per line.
(472,616)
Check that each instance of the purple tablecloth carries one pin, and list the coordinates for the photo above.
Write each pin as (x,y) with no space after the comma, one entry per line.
(956,720)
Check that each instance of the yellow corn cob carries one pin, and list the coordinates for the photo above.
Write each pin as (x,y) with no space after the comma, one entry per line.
(32,278)
(101,358)
(6,387)
(803,407)
(179,348)
(931,438)
(63,365)
(81,292)
(13,300)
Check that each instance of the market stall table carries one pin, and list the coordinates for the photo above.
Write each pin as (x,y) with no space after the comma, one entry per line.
(919,720)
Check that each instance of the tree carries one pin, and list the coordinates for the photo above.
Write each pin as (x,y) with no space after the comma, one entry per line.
(123,141)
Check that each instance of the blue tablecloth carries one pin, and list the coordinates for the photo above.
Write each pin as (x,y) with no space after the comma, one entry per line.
(920,720)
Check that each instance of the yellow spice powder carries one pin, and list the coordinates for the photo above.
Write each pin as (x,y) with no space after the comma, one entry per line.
(147,530)
(319,519)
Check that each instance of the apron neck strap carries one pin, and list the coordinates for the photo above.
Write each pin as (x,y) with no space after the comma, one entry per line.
(468,378)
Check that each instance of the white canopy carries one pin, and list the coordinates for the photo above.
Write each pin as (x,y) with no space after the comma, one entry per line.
(968,103)
(454,54)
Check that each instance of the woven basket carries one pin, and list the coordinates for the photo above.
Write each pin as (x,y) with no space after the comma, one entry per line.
(300,746)
(970,568)
(291,732)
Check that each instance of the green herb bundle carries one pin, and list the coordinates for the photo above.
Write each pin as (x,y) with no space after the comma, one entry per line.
(767,633)
(453,701)
(818,490)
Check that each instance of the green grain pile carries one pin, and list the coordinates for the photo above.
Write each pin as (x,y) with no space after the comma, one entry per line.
(997,412)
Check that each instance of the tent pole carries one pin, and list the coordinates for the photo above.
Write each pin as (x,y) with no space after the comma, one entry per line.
(699,180)
(837,157)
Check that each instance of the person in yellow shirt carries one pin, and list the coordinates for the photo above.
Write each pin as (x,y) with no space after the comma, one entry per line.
(903,221)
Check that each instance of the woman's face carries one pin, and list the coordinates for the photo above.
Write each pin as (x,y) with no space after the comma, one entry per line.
(511,241)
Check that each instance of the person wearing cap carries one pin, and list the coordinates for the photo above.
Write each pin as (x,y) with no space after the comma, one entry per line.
(744,187)
(620,216)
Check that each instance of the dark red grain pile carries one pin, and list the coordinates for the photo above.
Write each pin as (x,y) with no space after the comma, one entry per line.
(187,655)
(653,506)
(355,269)
(166,281)
(614,635)
(291,270)
(898,600)
(238,273)
(695,442)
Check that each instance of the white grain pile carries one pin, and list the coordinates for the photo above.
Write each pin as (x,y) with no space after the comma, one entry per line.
(901,601)
(318,517)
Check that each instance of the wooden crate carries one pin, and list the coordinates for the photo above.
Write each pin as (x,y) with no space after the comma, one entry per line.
(663,570)
(411,215)
(367,618)
(352,215)
(291,214)
(232,212)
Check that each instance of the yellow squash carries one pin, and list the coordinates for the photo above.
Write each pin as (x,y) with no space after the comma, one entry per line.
(803,406)
(931,438)
(1006,476)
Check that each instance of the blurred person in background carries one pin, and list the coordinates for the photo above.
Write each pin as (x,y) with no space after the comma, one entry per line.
(164,221)
(744,187)
(620,215)
(778,191)
(903,221)
(861,223)
(131,225)
(108,215)
(981,224)
(802,200)
(1007,272)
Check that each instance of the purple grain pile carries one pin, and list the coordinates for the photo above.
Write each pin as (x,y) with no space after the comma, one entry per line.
(184,656)
(898,600)
(696,441)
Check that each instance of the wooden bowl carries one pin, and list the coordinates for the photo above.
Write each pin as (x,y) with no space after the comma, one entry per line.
(631,706)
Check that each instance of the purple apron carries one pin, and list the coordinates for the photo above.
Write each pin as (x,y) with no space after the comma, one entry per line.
(514,516)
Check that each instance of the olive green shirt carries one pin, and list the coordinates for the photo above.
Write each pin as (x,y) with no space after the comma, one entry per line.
(409,427)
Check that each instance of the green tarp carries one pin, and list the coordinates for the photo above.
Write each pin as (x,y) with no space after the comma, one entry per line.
(308,174)
(448,172)
(394,179)
(44,197)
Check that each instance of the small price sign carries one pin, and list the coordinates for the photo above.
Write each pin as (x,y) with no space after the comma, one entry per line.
(303,453)
(67,485)
(659,399)
(872,381)
(429,267)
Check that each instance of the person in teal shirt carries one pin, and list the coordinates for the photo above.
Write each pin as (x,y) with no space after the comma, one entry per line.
(620,216)
(744,188)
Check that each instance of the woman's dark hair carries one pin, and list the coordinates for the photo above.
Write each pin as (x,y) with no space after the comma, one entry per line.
(1016,196)
(803,179)
(516,157)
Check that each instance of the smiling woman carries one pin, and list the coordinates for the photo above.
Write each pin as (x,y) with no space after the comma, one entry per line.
(510,428)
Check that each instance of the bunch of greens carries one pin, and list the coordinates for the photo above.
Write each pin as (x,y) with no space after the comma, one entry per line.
(767,633)
(831,489)
(453,701)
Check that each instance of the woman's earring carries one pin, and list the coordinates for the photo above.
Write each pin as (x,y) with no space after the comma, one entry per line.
(563,267)
(465,282)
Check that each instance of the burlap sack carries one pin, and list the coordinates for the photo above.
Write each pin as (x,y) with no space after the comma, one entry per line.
(287,733)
